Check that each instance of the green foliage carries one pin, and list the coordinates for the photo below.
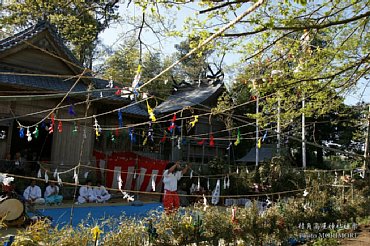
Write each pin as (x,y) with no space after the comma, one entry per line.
(122,65)
(250,226)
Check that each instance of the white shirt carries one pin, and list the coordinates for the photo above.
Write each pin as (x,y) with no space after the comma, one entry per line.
(32,192)
(170,180)
(50,190)
(100,191)
(86,191)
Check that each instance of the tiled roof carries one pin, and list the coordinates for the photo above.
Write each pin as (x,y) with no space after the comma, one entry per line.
(28,33)
(40,82)
(136,109)
(264,154)
(189,96)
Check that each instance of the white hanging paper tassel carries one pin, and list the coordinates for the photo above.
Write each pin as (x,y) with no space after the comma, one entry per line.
(153,182)
(179,143)
(362,174)
(305,193)
(135,174)
(224,183)
(237,170)
(268,202)
(119,179)
(110,84)
(60,182)
(86,174)
(29,135)
(75,176)
(198,188)
(39,175)
(5,179)
(205,203)
(208,184)
(101,94)
(228,182)
(46,177)
(216,193)
(55,173)
(336,178)
(229,145)
(128,197)
(191,174)
(246,169)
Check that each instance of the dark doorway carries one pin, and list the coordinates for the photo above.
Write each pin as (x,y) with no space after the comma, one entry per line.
(39,148)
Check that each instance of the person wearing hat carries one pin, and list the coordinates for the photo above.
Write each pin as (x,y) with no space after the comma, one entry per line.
(171,176)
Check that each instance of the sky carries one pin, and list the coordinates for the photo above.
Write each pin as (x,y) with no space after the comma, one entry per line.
(113,36)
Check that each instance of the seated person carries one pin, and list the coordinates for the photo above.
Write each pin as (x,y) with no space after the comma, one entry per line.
(32,194)
(52,194)
(101,193)
(86,194)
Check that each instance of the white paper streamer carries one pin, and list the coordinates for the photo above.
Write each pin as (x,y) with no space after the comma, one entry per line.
(60,182)
(5,179)
(208,184)
(268,202)
(46,177)
(179,143)
(39,175)
(237,170)
(246,169)
(305,193)
(229,145)
(205,203)
(153,182)
(128,197)
(216,193)
(228,182)
(86,174)
(198,188)
(191,174)
(119,179)
(75,176)
(55,173)
(224,183)
(29,135)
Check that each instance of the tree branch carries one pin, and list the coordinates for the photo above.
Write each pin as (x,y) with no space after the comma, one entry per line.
(299,28)
(222,5)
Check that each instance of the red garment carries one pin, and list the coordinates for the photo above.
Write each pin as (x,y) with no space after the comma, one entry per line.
(171,201)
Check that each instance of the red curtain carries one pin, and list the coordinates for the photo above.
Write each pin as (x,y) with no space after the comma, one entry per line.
(130,159)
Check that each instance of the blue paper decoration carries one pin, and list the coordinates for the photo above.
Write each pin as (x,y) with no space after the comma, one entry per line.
(21,132)
(120,120)
(132,135)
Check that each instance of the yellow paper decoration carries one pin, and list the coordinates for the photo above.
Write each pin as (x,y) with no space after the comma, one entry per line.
(145,140)
(150,112)
(237,141)
(259,143)
(96,232)
(192,123)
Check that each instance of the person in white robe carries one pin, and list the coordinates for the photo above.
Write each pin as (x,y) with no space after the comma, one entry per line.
(86,194)
(101,193)
(32,194)
(52,194)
